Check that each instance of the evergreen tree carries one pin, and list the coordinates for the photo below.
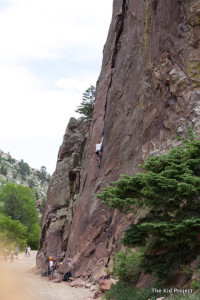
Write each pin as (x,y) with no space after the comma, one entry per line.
(24,169)
(42,174)
(167,201)
(85,109)
(3,170)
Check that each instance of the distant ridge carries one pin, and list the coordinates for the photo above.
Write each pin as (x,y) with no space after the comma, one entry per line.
(19,172)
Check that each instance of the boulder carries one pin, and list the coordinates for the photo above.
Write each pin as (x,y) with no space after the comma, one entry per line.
(105,285)
(77,282)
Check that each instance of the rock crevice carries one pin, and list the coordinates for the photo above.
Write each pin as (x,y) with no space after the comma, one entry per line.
(147,93)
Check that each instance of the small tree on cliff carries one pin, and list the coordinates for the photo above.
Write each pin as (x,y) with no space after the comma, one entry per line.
(85,109)
(167,200)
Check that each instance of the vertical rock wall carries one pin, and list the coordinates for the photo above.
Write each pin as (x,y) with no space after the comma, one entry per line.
(62,194)
(148,92)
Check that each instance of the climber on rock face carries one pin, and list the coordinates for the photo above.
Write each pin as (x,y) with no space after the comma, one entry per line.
(98,150)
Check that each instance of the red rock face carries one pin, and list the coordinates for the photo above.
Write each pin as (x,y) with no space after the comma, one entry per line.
(148,92)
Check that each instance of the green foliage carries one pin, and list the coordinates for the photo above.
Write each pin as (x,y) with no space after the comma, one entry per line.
(42,174)
(170,191)
(37,196)
(14,174)
(33,236)
(12,232)
(121,292)
(31,183)
(195,284)
(85,109)
(19,204)
(163,264)
(17,172)
(193,296)
(24,169)
(11,160)
(3,170)
(126,266)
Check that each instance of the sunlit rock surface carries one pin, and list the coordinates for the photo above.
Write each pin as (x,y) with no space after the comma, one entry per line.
(147,93)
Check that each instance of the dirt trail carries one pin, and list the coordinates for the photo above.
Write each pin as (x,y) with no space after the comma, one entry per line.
(19,282)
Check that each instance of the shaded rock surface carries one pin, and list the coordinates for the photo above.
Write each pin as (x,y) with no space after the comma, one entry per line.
(61,196)
(148,91)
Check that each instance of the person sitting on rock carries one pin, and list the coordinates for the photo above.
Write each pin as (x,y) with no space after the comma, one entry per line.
(98,150)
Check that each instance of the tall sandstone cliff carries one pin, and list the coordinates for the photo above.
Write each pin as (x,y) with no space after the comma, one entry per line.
(148,92)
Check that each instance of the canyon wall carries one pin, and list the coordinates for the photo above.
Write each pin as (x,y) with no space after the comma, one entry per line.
(148,92)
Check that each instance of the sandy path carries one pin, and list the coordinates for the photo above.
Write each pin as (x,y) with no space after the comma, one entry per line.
(18,282)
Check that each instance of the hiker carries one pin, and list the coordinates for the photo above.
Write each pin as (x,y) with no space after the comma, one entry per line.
(51,267)
(16,252)
(29,250)
(11,255)
(98,150)
(5,254)
(26,251)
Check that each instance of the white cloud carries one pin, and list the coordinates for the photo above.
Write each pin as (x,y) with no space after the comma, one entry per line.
(72,84)
(36,103)
(31,111)
(43,28)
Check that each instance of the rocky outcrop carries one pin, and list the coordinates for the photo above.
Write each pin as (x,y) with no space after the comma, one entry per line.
(62,194)
(19,172)
(148,92)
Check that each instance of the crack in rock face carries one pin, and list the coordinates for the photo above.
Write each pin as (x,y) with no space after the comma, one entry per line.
(148,91)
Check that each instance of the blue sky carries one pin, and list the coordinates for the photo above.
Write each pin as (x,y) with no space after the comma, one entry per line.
(51,51)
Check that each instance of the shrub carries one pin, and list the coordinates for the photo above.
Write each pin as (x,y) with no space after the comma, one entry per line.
(193,296)
(121,292)
(126,266)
